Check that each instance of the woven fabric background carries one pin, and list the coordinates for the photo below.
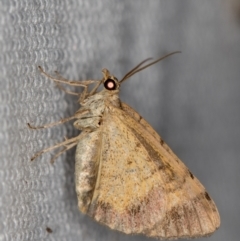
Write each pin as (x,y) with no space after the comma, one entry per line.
(192,99)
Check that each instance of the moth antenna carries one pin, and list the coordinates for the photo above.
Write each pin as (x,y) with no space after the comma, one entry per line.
(137,69)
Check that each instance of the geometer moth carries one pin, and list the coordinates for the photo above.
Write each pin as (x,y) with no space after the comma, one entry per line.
(126,176)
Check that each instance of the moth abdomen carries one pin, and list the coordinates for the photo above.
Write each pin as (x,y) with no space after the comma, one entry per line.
(86,168)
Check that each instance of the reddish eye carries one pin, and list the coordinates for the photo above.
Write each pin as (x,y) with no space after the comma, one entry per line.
(110,84)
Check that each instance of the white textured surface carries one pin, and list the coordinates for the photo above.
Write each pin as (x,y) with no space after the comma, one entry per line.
(192,99)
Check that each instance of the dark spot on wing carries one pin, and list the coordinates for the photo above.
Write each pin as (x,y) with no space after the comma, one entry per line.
(161,142)
(134,210)
(174,214)
(138,144)
(191,175)
(207,196)
(105,206)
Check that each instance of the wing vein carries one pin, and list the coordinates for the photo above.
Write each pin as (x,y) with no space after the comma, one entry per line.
(208,213)
(188,222)
(197,217)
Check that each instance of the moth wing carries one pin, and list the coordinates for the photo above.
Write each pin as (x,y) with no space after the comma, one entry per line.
(191,179)
(142,187)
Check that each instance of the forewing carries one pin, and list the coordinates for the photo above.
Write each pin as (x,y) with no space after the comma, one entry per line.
(142,187)
(129,195)
(200,210)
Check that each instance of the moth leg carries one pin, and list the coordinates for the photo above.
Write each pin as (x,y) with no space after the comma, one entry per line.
(69,82)
(52,124)
(77,115)
(95,88)
(66,91)
(62,151)
(83,95)
(69,142)
(86,94)
(60,76)
(62,88)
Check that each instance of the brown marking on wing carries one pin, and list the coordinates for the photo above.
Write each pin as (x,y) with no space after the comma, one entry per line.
(134,219)
(155,156)
(189,218)
(207,196)
(168,172)
(161,142)
(184,220)
(191,175)
(131,112)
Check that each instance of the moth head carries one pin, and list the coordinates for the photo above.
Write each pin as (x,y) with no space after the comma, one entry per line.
(110,82)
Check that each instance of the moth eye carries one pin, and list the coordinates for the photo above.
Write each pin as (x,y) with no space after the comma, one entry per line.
(110,84)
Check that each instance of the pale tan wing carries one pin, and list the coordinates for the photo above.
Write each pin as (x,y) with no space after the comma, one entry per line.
(142,188)
(190,181)
(129,194)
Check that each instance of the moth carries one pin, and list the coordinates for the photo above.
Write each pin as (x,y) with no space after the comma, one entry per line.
(127,177)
